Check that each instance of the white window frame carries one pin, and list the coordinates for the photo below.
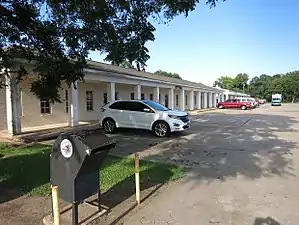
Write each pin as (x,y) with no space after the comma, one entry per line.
(43,101)
(89,101)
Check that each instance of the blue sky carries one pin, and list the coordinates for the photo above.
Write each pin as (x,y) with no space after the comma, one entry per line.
(237,36)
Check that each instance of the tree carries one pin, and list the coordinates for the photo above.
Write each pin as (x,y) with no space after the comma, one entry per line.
(58,35)
(224,82)
(127,64)
(168,74)
(240,82)
(265,85)
(286,84)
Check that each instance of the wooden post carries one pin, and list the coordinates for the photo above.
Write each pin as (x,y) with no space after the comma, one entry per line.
(55,202)
(137,180)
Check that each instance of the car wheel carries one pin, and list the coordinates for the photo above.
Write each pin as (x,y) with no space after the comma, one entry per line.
(161,129)
(221,107)
(243,107)
(109,126)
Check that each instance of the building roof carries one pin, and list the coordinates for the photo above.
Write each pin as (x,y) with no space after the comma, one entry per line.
(230,92)
(133,72)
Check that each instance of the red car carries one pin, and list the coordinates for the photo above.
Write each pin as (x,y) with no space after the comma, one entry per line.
(234,103)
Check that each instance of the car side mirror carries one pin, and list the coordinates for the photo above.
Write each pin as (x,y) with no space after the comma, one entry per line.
(146,110)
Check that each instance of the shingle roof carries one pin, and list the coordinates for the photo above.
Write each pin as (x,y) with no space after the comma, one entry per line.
(133,72)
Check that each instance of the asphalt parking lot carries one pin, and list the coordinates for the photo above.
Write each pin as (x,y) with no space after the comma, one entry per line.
(243,168)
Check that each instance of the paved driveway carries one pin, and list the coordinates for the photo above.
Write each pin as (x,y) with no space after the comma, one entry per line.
(244,169)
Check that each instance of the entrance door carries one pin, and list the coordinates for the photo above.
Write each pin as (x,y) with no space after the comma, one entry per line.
(166,101)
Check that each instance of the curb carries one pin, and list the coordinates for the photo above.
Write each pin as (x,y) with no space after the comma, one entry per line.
(193,112)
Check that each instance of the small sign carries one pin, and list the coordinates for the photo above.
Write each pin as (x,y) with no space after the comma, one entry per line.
(66,148)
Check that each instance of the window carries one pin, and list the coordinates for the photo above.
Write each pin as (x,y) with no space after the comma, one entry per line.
(156,105)
(89,100)
(177,100)
(116,95)
(45,107)
(66,101)
(142,96)
(195,99)
(166,101)
(132,96)
(136,106)
(117,105)
(151,97)
(186,100)
(129,106)
(159,98)
(105,98)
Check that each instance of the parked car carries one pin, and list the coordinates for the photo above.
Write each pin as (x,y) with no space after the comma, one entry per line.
(252,101)
(234,103)
(262,101)
(143,114)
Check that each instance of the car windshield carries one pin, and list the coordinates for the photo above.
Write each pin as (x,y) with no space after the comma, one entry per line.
(276,99)
(156,105)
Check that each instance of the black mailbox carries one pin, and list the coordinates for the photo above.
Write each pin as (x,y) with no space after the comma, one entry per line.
(75,166)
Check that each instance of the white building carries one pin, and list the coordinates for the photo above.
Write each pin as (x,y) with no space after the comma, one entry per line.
(22,111)
(228,94)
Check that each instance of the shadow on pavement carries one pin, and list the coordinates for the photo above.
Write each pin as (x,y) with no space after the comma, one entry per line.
(266,221)
(219,146)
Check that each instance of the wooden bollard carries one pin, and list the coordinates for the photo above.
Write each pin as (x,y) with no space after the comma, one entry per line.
(55,205)
(137,178)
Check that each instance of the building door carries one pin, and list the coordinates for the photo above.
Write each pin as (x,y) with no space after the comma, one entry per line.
(166,101)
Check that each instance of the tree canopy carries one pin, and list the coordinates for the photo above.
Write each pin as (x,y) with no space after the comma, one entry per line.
(286,84)
(127,64)
(234,84)
(264,86)
(58,35)
(168,74)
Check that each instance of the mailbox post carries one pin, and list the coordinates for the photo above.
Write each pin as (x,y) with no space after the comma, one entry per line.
(75,166)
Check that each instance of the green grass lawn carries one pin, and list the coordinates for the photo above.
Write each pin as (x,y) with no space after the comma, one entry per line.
(28,169)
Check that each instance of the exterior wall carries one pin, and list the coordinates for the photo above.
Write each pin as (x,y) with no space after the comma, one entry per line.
(31,115)
(3,122)
(98,90)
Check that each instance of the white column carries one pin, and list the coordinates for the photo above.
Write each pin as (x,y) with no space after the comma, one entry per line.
(111,91)
(214,100)
(171,98)
(13,105)
(162,100)
(191,100)
(156,94)
(198,100)
(205,100)
(137,92)
(210,100)
(74,112)
(182,99)
(226,96)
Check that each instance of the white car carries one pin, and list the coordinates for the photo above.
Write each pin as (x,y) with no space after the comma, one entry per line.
(142,114)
